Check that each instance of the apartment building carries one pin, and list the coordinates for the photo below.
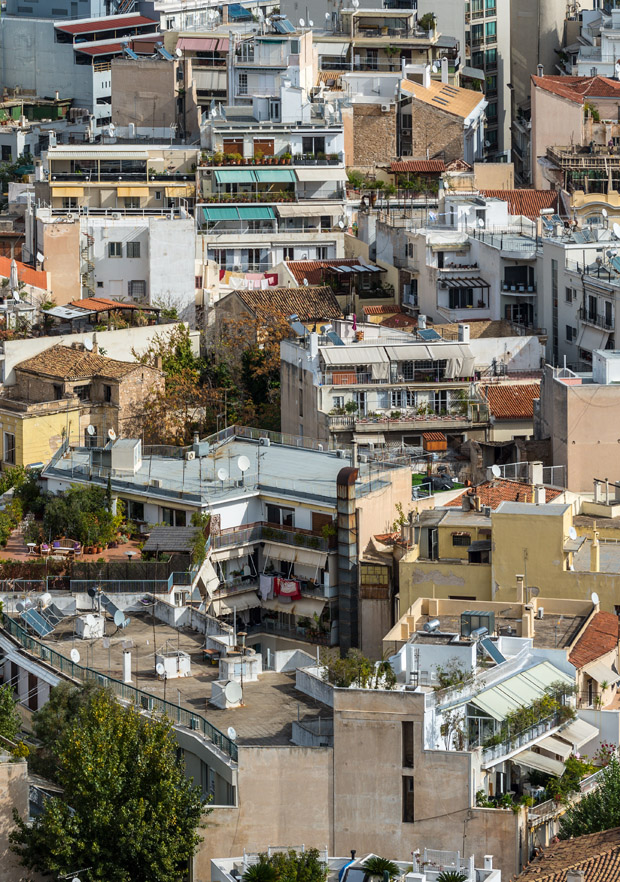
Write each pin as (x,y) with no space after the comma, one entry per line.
(206,66)
(41,56)
(376,385)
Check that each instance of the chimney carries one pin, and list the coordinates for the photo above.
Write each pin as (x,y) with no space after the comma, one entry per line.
(466,502)
(354,461)
(595,554)
(540,495)
(520,588)
(464,333)
(488,862)
(476,502)
(535,472)
(56,95)
(540,70)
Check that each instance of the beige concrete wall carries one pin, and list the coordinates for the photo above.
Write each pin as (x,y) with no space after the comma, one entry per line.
(435,579)
(61,248)
(13,794)
(555,121)
(494,175)
(505,430)
(285,798)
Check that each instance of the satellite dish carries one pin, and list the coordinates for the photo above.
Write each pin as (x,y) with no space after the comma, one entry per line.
(91,430)
(232,691)
(534,591)
(16,296)
(178,53)
(92,591)
(310,22)
(119,618)
(243,463)
(355,3)
(75,879)
(88,344)
(616,230)
(480,222)
(306,283)
(496,471)
(111,434)
(594,598)
(604,212)
(572,532)
(232,733)
(160,669)
(74,655)
(222,474)
(435,68)
(302,23)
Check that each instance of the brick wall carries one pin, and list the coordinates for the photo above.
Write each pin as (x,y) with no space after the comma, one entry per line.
(374,135)
(435,133)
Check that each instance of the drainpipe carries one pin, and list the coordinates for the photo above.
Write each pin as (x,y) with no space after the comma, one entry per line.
(595,554)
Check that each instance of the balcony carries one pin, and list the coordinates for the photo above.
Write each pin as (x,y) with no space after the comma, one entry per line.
(518,289)
(546,811)
(268,196)
(279,159)
(408,421)
(598,321)
(491,755)
(261,531)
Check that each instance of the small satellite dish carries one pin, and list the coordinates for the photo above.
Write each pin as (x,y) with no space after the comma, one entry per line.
(310,22)
(160,669)
(233,692)
(74,655)
(572,532)
(111,434)
(480,222)
(243,463)
(604,212)
(127,644)
(594,598)
(178,53)
(534,591)
(16,296)
(302,23)
(119,618)
(92,591)
(341,224)
(435,68)
(232,733)
(106,642)
(306,283)
(496,471)
(222,474)
(91,430)
(88,344)
(616,230)
(328,16)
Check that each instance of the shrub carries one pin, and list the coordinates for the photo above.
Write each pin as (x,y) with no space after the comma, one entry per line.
(378,866)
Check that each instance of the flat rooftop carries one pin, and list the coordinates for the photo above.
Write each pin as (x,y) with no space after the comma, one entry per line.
(291,471)
(609,557)
(270,705)
(551,632)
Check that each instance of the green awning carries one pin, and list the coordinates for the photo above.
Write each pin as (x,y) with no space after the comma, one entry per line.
(275,175)
(220,214)
(256,212)
(235,176)
(519,690)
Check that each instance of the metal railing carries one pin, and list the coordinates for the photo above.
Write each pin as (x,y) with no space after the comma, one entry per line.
(599,321)
(140,699)
(551,807)
(261,531)
(490,754)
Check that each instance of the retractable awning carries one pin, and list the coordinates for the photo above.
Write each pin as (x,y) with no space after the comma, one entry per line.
(331,48)
(314,209)
(304,606)
(593,338)
(274,175)
(238,602)
(539,762)
(187,190)
(555,745)
(348,355)
(220,214)
(208,578)
(96,154)
(67,191)
(602,672)
(197,44)
(320,174)
(293,554)
(230,553)
(235,176)
(256,212)
(464,282)
(132,191)
(579,733)
(519,690)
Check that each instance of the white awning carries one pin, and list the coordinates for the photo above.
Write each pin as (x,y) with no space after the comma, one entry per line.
(592,338)
(448,241)
(209,80)
(303,606)
(555,745)
(348,355)
(519,690)
(320,173)
(541,763)
(96,154)
(310,209)
(332,48)
(238,602)
(208,578)
(293,554)
(368,439)
(579,733)
(32,667)
(231,553)
(602,672)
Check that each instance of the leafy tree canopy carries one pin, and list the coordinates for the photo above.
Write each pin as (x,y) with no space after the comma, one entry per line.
(127,811)
(10,722)
(81,513)
(598,810)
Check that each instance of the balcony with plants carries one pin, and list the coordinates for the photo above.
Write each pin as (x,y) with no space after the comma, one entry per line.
(285,157)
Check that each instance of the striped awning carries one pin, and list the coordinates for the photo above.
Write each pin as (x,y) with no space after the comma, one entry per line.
(67,191)
(460,282)
(133,191)
(187,190)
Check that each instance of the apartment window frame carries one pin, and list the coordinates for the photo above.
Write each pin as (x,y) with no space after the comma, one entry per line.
(133,249)
(408,804)
(115,250)
(9,448)
(407,743)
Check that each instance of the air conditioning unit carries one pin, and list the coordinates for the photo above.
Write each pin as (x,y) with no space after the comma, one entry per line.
(116,215)
(385,108)
(340,454)
(264,442)
(190,455)
(540,612)
(155,482)
(363,457)
(208,172)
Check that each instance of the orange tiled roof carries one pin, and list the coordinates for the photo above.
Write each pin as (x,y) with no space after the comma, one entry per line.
(66,363)
(25,274)
(579,89)
(597,855)
(314,270)
(600,637)
(493,493)
(102,304)
(423,166)
(388,309)
(310,303)
(514,402)
(400,320)
(525,202)
(433,436)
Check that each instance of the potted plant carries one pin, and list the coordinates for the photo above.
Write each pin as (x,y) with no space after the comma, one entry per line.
(218,158)
(286,158)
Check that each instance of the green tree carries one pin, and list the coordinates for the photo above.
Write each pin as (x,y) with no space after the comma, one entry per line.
(599,810)
(128,813)
(10,722)
(80,513)
(288,866)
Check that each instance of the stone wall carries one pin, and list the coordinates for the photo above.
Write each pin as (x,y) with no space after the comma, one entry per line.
(435,133)
(374,135)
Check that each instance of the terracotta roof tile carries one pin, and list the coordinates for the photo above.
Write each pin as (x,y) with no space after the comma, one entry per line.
(597,855)
(525,202)
(388,309)
(493,493)
(578,89)
(600,637)
(514,402)
(423,166)
(25,274)
(66,363)
(402,320)
(433,436)
(103,304)
(310,303)
(314,270)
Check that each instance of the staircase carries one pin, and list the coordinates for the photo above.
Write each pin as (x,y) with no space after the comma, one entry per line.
(87,267)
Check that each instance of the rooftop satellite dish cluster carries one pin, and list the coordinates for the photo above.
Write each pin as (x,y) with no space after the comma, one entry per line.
(243,464)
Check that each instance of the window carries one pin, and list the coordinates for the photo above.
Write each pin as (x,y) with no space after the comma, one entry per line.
(609,321)
(57,392)
(571,334)
(9,448)
(289,253)
(592,307)
(338,401)
(569,295)
(274,111)
(301,404)
(82,392)
(131,202)
(158,195)
(491,84)
(294,47)
(490,30)
(90,440)
(107,392)
(134,511)
(133,249)
(407,799)
(476,34)
(490,7)
(115,249)
(490,58)
(311,144)
(406,728)
(284,517)
(491,110)
(137,288)
(243,84)
(172,517)
(462,540)
(69,202)
(461,298)
(321,252)
(100,284)
(6,153)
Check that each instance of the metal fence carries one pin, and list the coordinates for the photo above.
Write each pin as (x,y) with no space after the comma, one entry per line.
(140,699)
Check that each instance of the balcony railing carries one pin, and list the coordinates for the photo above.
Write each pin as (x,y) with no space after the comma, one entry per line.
(261,531)
(599,321)
(515,742)
(409,420)
(518,288)
(267,196)
(548,809)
